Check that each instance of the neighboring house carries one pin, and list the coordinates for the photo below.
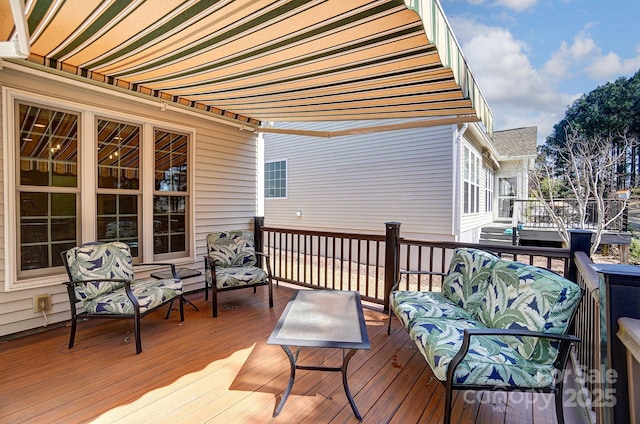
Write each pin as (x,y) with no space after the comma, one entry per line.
(439,182)
(518,150)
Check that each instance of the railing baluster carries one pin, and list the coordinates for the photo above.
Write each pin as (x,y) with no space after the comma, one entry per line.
(323,253)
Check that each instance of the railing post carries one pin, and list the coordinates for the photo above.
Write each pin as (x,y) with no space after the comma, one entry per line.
(619,297)
(258,223)
(391,265)
(579,241)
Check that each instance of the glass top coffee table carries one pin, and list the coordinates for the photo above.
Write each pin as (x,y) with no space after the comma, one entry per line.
(321,318)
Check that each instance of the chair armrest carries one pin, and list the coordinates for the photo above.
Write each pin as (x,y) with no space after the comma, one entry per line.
(517,332)
(96,280)
(265,258)
(209,261)
(565,341)
(127,288)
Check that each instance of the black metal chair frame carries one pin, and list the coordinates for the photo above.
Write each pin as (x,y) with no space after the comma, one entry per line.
(209,264)
(137,316)
(556,388)
(565,343)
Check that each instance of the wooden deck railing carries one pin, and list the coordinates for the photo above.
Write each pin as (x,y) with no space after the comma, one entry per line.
(534,214)
(329,260)
(371,263)
(587,353)
(350,261)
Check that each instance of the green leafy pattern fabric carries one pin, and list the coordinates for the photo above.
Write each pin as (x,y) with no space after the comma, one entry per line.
(235,259)
(484,291)
(468,276)
(99,262)
(149,293)
(408,305)
(113,261)
(232,248)
(521,296)
(490,359)
(237,276)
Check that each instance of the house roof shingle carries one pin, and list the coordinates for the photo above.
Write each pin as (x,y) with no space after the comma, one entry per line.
(516,142)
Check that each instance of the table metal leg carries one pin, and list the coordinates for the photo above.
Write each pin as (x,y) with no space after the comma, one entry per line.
(185,301)
(345,363)
(292,361)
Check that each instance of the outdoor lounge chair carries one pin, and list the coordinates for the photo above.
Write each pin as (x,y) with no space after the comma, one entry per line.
(101,280)
(232,263)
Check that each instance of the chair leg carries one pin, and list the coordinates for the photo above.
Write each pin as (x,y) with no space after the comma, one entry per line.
(214,301)
(182,301)
(270,294)
(136,329)
(206,290)
(559,408)
(389,324)
(72,336)
(447,403)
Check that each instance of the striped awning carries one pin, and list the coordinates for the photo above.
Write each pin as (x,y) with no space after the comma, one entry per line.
(254,61)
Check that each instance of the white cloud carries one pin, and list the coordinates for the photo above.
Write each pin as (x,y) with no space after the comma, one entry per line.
(612,66)
(563,59)
(517,5)
(518,94)
(585,56)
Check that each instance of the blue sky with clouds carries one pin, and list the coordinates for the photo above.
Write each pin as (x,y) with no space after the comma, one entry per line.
(533,58)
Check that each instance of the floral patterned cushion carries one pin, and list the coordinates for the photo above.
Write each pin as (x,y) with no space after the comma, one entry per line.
(232,248)
(99,261)
(237,276)
(411,304)
(468,277)
(149,293)
(521,296)
(490,359)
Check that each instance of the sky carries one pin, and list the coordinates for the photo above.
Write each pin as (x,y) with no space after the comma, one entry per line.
(533,58)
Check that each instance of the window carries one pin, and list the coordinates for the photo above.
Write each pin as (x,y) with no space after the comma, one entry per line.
(507,189)
(170,195)
(275,179)
(118,194)
(69,162)
(488,191)
(46,186)
(471,181)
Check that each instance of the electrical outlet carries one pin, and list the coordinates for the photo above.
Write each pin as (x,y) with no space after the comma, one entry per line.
(41,302)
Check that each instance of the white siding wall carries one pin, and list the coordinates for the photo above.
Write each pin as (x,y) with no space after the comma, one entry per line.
(471,224)
(357,183)
(225,186)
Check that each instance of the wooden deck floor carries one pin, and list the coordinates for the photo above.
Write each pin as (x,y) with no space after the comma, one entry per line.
(221,370)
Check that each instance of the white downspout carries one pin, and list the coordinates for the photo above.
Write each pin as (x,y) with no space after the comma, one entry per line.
(260,169)
(457,182)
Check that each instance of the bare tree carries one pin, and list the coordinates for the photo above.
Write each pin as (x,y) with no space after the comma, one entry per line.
(589,171)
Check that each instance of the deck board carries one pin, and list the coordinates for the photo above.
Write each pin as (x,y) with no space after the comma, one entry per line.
(220,370)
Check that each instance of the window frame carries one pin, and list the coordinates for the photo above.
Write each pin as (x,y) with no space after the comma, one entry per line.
(286,179)
(87,185)
(471,169)
(489,189)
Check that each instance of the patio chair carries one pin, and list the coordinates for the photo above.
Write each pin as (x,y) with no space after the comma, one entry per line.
(232,263)
(101,280)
